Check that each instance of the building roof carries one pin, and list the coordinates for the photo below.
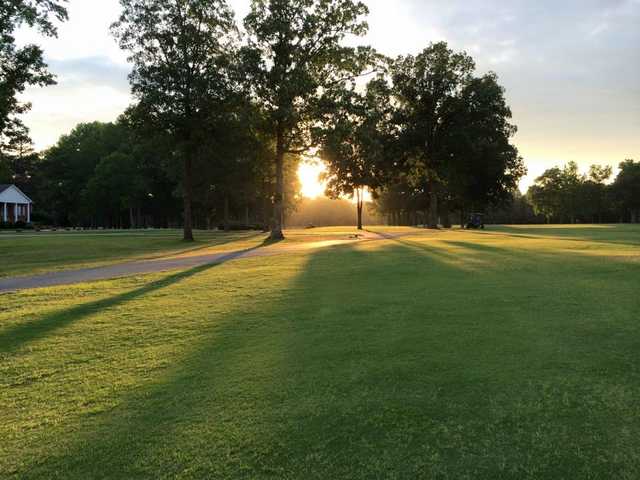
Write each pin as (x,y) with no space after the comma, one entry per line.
(7,186)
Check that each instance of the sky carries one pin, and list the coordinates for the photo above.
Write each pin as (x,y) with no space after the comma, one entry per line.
(571,68)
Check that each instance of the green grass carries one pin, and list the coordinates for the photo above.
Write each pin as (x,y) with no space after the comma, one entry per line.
(32,253)
(510,353)
(38,252)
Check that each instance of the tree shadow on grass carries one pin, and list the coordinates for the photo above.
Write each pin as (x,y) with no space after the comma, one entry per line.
(16,337)
(209,243)
(627,235)
(457,377)
(371,365)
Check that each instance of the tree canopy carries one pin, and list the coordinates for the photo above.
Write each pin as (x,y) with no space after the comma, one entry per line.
(295,53)
(223,116)
(23,66)
(181,51)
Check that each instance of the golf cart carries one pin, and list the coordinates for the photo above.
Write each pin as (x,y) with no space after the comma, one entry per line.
(475,222)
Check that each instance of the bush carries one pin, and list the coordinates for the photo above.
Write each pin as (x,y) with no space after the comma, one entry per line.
(16,226)
(236,227)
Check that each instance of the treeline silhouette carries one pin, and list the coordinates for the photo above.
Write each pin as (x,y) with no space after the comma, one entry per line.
(326,212)
(221,121)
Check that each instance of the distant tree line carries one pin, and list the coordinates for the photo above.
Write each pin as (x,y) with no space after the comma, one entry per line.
(326,212)
(223,115)
(564,195)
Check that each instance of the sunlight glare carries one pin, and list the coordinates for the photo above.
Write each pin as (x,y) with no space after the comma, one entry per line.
(309,175)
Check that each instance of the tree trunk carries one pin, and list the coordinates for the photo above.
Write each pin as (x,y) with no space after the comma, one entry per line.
(462,225)
(359,195)
(433,209)
(132,222)
(446,219)
(246,215)
(187,185)
(278,205)
(227,224)
(265,214)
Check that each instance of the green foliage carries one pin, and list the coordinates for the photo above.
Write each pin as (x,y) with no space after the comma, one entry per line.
(427,89)
(419,360)
(24,66)
(626,189)
(454,130)
(566,195)
(480,166)
(295,52)
(181,52)
(353,140)
(56,251)
(68,166)
(352,137)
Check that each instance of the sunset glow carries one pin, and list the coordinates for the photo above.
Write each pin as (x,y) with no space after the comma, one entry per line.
(309,175)
(311,185)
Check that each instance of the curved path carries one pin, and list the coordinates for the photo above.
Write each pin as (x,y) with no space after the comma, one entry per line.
(68,277)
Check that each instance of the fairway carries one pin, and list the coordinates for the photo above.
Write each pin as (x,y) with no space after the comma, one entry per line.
(27,253)
(509,353)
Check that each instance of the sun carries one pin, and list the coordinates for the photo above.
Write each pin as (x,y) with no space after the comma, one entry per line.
(312,187)
(309,174)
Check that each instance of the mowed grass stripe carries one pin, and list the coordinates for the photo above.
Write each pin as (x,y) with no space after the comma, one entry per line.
(444,356)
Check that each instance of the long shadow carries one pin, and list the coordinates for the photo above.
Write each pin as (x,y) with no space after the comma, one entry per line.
(444,367)
(150,413)
(600,235)
(346,379)
(20,335)
(489,256)
(110,258)
(226,238)
(16,337)
(433,251)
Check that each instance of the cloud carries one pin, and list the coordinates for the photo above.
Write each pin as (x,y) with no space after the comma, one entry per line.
(570,68)
(88,89)
(95,70)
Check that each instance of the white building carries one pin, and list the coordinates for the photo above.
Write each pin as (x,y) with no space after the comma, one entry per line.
(15,206)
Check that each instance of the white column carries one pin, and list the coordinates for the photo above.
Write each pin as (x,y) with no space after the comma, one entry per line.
(28,213)
(15,212)
(4,212)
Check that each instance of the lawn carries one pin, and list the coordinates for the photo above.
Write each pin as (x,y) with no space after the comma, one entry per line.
(511,353)
(31,253)
(38,252)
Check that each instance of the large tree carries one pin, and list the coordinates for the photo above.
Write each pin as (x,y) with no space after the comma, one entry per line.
(295,53)
(180,50)
(352,140)
(554,193)
(453,132)
(626,189)
(427,88)
(480,167)
(68,166)
(24,66)
(564,194)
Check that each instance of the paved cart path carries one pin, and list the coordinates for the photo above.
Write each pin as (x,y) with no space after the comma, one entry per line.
(68,277)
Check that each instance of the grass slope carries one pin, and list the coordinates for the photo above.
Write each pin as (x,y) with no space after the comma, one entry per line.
(30,252)
(510,353)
